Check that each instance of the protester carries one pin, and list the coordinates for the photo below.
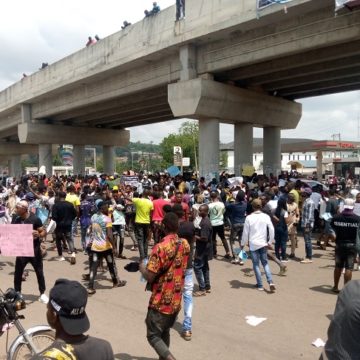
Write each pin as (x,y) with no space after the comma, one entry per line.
(259,234)
(347,228)
(23,216)
(216,215)
(64,213)
(125,25)
(307,223)
(343,333)
(67,316)
(102,246)
(203,252)
(166,274)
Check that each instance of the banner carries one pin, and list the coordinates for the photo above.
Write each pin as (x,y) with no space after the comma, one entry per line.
(16,240)
(261,4)
(133,181)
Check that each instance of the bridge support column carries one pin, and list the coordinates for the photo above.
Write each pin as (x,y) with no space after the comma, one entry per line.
(15,166)
(45,158)
(109,159)
(209,138)
(243,146)
(272,150)
(79,159)
(319,167)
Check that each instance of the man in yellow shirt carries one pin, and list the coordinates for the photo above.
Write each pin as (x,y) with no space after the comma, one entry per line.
(143,208)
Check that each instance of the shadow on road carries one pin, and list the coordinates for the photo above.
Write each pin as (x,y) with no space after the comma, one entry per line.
(236,284)
(124,356)
(326,289)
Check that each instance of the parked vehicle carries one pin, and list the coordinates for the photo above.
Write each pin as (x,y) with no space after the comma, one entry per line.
(29,342)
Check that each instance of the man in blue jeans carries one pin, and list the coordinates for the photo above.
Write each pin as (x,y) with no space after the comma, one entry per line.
(259,233)
(307,223)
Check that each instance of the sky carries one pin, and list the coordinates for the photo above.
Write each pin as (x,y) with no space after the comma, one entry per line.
(36,31)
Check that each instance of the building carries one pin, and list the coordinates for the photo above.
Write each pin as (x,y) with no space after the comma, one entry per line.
(336,157)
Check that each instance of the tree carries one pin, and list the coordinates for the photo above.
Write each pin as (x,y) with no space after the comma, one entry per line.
(187,138)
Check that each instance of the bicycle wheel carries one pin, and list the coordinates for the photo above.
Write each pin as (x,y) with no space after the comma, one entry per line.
(41,339)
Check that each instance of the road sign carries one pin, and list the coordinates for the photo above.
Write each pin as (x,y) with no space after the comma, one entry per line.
(186,161)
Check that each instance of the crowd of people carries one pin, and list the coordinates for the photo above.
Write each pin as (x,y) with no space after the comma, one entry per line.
(173,224)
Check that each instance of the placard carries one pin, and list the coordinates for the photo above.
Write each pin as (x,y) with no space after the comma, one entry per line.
(16,240)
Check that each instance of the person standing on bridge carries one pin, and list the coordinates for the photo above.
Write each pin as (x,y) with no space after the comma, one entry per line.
(180,9)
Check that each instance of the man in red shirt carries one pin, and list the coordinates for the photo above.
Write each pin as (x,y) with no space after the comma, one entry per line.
(165,272)
(158,214)
(179,200)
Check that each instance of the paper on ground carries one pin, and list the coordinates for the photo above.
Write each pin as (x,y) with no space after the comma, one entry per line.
(318,343)
(254,320)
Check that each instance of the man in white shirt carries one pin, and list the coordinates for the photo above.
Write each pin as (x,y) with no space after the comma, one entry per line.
(259,233)
(216,215)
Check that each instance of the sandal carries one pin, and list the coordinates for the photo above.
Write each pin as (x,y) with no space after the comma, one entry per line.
(335,290)
(199,293)
(120,283)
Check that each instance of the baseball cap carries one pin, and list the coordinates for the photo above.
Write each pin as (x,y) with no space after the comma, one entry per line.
(307,191)
(349,204)
(68,298)
(115,188)
(29,196)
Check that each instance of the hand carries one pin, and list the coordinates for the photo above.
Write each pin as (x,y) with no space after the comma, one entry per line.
(115,252)
(269,246)
(35,234)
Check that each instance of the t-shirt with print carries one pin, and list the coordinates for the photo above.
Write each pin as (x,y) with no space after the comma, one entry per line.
(216,213)
(87,348)
(167,288)
(143,208)
(99,224)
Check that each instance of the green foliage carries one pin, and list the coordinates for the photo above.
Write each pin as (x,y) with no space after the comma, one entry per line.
(187,138)
(57,160)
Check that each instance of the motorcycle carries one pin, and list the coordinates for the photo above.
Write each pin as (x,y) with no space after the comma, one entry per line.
(29,342)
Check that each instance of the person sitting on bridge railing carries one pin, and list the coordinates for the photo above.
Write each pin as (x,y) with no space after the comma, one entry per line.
(91,41)
(155,9)
(125,24)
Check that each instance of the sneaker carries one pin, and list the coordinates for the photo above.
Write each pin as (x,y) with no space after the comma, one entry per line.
(186,335)
(272,287)
(60,258)
(291,256)
(285,260)
(73,259)
(43,299)
(283,271)
(91,291)
(235,261)
(306,261)
(260,288)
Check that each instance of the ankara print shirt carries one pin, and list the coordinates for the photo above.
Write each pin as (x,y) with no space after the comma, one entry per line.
(167,288)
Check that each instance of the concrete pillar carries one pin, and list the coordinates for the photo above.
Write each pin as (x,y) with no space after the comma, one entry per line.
(15,166)
(109,159)
(319,167)
(209,138)
(243,146)
(79,159)
(45,158)
(25,113)
(272,150)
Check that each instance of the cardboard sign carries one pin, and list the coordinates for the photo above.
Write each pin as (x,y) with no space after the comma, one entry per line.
(16,240)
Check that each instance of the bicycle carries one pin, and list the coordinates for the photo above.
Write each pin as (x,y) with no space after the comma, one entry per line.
(29,342)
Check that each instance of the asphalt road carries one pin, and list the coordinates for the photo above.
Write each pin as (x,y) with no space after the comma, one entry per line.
(297,314)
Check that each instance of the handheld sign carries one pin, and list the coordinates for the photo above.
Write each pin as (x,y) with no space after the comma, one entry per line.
(16,240)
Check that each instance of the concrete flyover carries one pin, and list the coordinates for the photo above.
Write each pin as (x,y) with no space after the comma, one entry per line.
(224,63)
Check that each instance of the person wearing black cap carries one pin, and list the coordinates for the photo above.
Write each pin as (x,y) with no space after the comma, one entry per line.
(66,314)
